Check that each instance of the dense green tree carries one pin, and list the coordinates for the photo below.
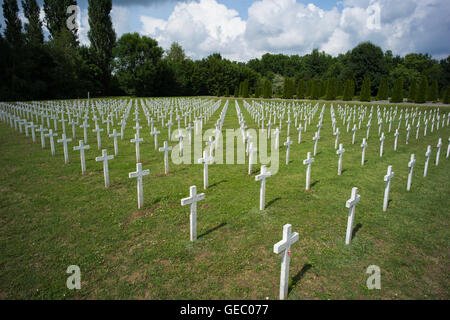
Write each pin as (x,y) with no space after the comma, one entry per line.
(365,90)
(102,37)
(366,60)
(56,18)
(349,90)
(331,89)
(446,96)
(421,92)
(397,91)
(136,66)
(339,88)
(300,94)
(267,93)
(316,89)
(433,92)
(383,90)
(236,92)
(33,28)
(412,91)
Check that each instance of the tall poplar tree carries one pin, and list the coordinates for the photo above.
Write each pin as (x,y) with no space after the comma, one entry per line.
(33,28)
(102,37)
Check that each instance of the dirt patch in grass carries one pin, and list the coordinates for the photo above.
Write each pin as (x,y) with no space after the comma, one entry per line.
(138,215)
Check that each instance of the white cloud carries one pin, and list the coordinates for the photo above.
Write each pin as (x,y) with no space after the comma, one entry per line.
(120,17)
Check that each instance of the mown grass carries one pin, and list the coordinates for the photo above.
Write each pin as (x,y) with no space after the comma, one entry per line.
(52,217)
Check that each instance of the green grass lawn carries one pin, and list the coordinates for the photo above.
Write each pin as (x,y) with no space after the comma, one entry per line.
(52,217)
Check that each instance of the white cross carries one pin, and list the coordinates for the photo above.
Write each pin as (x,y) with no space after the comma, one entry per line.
(284,247)
(336,133)
(205,160)
(85,126)
(408,129)
(137,140)
(277,137)
(387,178)
(340,152)
(166,150)
(52,143)
(139,174)
(155,133)
(299,133)
(351,204)
(99,139)
(448,148)
(262,191)
(439,145)
(42,131)
(427,159)
(116,146)
(251,152)
(396,134)
(363,153)
(288,145)
(192,200)
(354,133)
(82,147)
(382,143)
(105,158)
(308,163)
(411,167)
(33,133)
(316,139)
(64,141)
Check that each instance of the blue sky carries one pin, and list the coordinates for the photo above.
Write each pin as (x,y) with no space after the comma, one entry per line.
(245,29)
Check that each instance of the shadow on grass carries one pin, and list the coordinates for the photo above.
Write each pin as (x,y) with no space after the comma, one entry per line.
(314,183)
(217,183)
(356,229)
(223,224)
(272,202)
(296,279)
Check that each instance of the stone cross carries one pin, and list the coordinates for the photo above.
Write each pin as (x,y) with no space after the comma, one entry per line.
(284,247)
(64,141)
(363,153)
(51,135)
(300,128)
(382,143)
(287,144)
(155,133)
(396,134)
(308,161)
(251,152)
(99,138)
(351,205)
(116,146)
(439,145)
(205,161)
(340,153)
(33,133)
(316,139)
(82,147)
(411,167)
(166,150)
(262,191)
(137,140)
(85,126)
(192,200)
(105,158)
(408,129)
(387,178)
(276,132)
(448,148)
(354,133)
(427,159)
(336,133)
(42,131)
(139,174)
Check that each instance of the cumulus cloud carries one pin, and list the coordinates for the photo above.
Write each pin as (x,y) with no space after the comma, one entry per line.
(291,27)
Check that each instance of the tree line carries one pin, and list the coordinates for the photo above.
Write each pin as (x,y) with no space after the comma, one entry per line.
(35,68)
